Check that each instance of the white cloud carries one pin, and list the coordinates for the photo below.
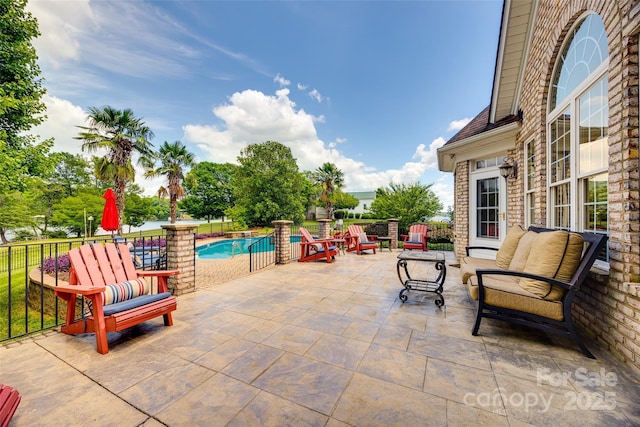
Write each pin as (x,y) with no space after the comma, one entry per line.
(458,124)
(281,80)
(315,94)
(302,87)
(62,124)
(253,117)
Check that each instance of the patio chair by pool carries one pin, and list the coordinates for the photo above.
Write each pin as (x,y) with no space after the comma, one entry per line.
(357,240)
(116,294)
(417,237)
(314,249)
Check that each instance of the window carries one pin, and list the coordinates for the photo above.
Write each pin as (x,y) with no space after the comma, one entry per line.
(530,199)
(578,131)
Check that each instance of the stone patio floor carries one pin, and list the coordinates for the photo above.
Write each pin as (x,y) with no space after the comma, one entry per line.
(322,345)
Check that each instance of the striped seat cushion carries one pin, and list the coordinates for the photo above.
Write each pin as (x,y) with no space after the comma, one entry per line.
(123,291)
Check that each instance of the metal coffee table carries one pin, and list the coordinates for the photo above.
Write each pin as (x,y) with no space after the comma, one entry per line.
(427,284)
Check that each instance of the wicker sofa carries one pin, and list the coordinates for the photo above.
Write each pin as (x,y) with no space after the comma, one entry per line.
(533,279)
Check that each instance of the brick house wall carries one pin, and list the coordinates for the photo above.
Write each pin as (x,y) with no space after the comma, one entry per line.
(608,307)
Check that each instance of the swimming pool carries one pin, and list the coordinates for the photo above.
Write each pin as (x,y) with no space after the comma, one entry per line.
(231,247)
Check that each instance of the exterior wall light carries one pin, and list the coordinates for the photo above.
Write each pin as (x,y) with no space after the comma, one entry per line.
(508,170)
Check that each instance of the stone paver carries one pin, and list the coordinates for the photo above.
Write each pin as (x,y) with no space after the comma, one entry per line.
(322,345)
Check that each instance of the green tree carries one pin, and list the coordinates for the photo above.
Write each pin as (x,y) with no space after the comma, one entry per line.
(329,179)
(20,99)
(69,213)
(208,189)
(71,172)
(121,134)
(15,212)
(138,210)
(159,208)
(268,185)
(408,202)
(173,158)
(344,200)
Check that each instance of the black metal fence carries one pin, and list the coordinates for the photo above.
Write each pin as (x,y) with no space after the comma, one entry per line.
(29,273)
(262,251)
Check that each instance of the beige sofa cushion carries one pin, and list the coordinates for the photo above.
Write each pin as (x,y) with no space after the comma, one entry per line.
(469,265)
(505,292)
(509,246)
(553,254)
(521,254)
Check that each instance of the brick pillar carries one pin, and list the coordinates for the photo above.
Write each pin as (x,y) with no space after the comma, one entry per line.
(324,228)
(392,226)
(282,235)
(181,256)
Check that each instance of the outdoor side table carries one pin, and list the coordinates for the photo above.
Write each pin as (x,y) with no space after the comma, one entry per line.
(437,272)
(381,240)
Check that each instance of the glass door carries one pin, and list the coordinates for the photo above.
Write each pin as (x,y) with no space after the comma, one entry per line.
(487,225)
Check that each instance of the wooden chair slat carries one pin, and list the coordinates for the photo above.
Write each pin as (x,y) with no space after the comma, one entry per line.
(127,262)
(91,265)
(81,275)
(104,264)
(117,259)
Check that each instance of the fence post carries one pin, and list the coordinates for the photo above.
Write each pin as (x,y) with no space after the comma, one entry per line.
(393,232)
(324,228)
(181,256)
(282,234)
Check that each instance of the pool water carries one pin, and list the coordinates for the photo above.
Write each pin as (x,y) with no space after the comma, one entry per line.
(231,247)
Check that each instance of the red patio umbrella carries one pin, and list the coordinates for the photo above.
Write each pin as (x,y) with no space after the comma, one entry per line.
(110,212)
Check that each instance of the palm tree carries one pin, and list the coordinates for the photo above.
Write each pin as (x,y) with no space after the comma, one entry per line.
(122,134)
(173,157)
(330,178)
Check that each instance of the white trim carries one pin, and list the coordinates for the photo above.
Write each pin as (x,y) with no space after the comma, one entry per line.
(506,9)
(525,58)
(483,144)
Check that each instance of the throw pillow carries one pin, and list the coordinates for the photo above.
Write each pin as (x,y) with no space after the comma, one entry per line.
(548,252)
(509,246)
(415,237)
(521,254)
(363,238)
(123,291)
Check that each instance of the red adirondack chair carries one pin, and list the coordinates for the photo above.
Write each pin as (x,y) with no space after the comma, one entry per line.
(417,237)
(357,240)
(314,249)
(106,275)
(9,401)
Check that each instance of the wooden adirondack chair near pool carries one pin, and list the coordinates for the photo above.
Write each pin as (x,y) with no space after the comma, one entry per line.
(357,240)
(116,293)
(417,237)
(314,249)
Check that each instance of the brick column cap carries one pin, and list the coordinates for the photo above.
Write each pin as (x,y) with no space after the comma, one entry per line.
(281,222)
(393,220)
(323,220)
(179,227)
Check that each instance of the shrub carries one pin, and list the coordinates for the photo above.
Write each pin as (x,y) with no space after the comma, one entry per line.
(50,264)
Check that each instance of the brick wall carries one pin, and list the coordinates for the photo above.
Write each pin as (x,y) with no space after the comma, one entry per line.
(608,307)
(461,208)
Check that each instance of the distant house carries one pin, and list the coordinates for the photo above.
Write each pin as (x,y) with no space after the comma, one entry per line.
(364,201)
(364,197)
(562,124)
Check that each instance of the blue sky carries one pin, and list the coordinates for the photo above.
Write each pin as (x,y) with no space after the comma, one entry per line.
(372,86)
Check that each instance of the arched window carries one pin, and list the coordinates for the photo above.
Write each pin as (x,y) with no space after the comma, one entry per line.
(577,131)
